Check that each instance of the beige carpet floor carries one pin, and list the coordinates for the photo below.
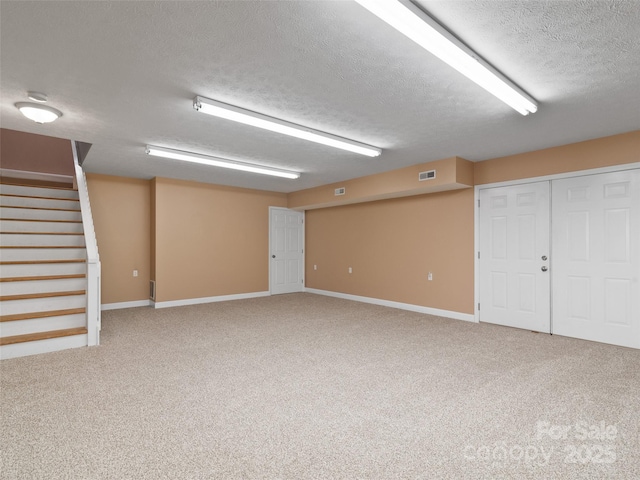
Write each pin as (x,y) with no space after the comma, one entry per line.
(309,387)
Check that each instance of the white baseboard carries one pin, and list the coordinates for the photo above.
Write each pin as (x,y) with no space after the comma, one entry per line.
(467,317)
(49,177)
(119,305)
(221,298)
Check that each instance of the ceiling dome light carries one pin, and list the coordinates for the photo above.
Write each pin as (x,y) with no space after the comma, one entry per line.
(38,113)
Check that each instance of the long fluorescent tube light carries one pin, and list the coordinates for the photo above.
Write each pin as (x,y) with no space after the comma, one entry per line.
(230,112)
(412,22)
(218,162)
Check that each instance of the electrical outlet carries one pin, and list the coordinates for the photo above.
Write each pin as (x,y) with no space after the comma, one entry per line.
(430,276)
(350,270)
(315,267)
(135,273)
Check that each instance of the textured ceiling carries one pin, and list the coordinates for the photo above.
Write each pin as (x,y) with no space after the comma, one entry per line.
(125,74)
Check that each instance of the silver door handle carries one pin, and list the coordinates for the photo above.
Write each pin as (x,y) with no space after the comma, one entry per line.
(544,269)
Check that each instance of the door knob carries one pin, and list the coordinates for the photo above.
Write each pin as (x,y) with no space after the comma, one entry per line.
(544,269)
(273,256)
(544,257)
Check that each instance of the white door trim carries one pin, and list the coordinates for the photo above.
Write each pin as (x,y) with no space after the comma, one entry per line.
(476,213)
(271,209)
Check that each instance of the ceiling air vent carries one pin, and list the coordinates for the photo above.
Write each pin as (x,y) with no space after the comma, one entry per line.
(340,191)
(429,175)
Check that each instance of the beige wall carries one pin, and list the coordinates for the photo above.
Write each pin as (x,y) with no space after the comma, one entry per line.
(35,153)
(196,240)
(601,152)
(392,245)
(210,240)
(121,213)
(205,240)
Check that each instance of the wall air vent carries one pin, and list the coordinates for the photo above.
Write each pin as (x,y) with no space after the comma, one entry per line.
(152,290)
(429,175)
(340,191)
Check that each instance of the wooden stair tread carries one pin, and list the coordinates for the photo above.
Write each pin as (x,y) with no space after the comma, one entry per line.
(4,181)
(38,197)
(41,246)
(31,296)
(42,208)
(41,233)
(38,220)
(33,262)
(42,277)
(31,337)
(32,315)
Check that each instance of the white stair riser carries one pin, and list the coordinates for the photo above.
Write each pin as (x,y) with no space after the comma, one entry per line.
(20,226)
(38,191)
(31,269)
(43,286)
(14,307)
(31,254)
(38,214)
(9,201)
(35,325)
(42,346)
(16,239)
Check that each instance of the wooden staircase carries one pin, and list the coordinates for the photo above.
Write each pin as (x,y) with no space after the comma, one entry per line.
(42,270)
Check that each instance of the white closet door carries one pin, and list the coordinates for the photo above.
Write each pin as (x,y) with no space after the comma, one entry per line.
(596,257)
(514,256)
(286,243)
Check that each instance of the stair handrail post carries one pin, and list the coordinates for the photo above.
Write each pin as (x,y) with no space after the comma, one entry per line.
(94,321)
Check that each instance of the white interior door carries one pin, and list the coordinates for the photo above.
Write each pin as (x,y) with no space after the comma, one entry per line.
(514,256)
(596,261)
(286,245)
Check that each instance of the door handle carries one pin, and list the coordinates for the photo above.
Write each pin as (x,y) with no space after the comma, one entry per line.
(273,256)
(544,269)
(544,257)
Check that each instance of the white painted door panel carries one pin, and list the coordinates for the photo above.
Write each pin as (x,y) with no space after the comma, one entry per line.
(596,266)
(514,238)
(286,257)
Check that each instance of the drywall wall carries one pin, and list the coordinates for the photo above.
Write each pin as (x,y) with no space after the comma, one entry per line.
(35,153)
(450,174)
(121,213)
(210,240)
(392,245)
(601,152)
(206,240)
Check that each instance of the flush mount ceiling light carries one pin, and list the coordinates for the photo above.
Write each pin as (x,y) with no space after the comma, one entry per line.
(230,112)
(412,22)
(218,162)
(38,113)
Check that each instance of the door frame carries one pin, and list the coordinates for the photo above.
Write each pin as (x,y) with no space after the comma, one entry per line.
(304,280)
(476,213)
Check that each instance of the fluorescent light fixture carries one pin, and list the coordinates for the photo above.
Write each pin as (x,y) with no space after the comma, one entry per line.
(230,112)
(218,162)
(38,113)
(412,22)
